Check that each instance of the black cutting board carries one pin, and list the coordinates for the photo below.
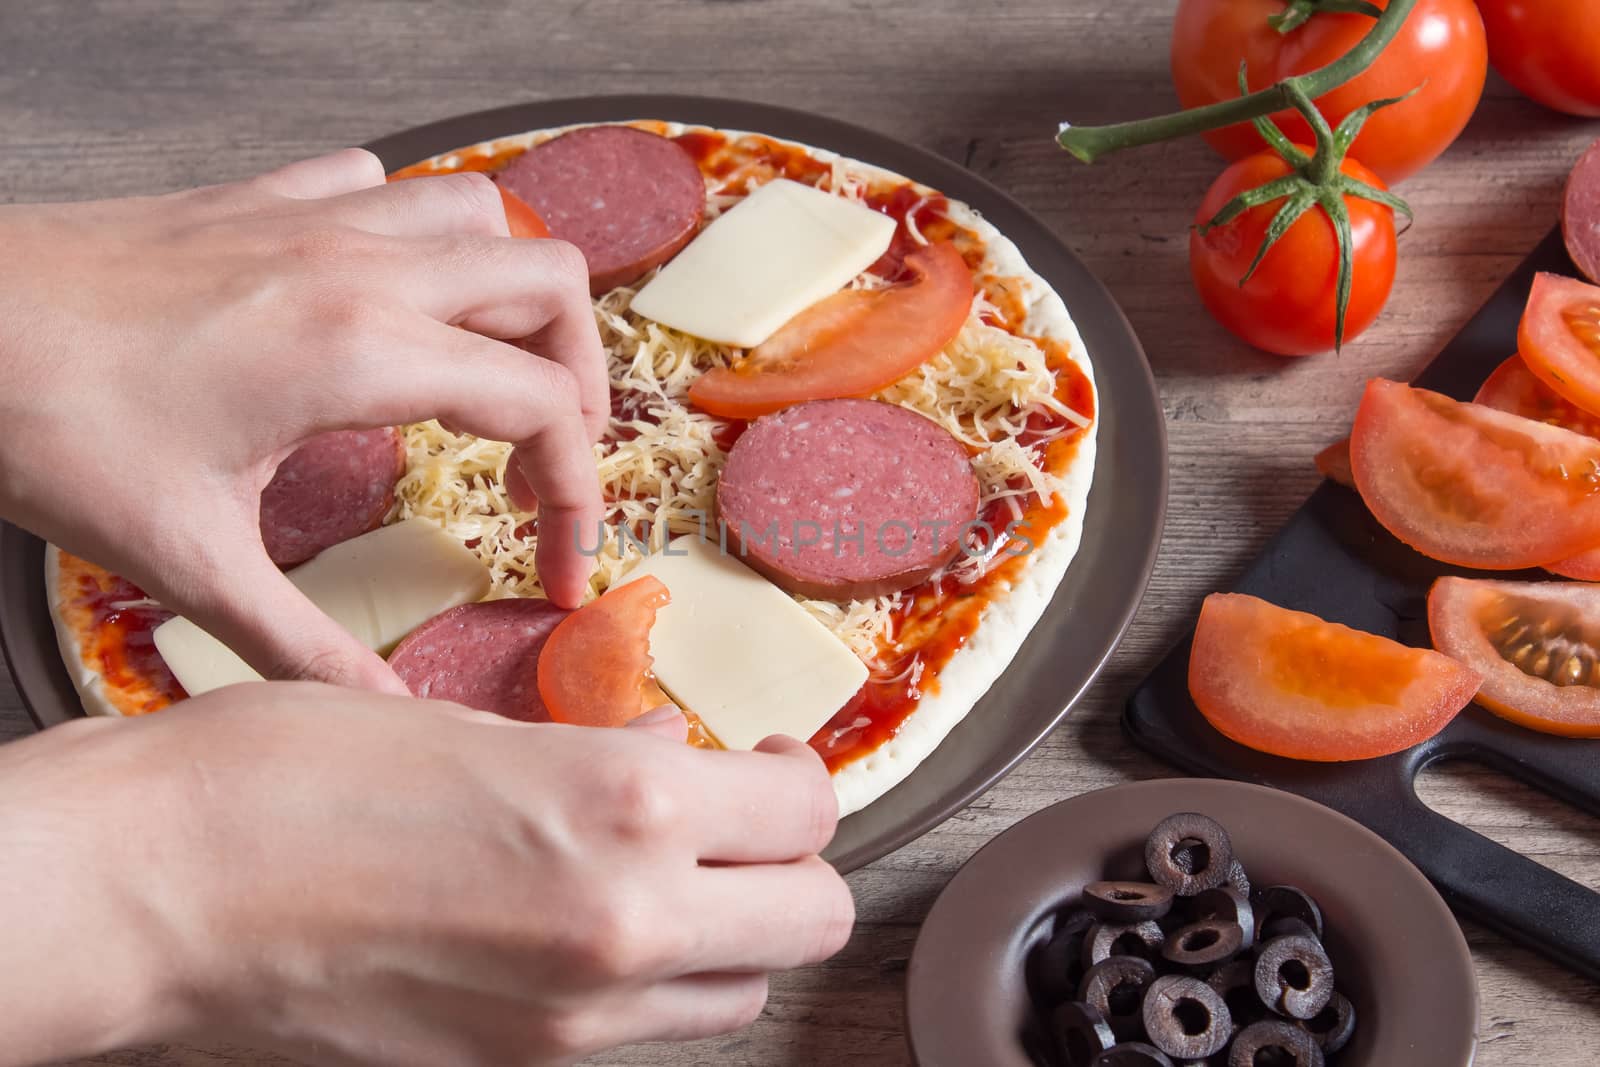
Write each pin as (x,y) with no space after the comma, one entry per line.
(1334,560)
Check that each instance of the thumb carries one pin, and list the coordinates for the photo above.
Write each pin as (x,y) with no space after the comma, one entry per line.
(666,721)
(248,604)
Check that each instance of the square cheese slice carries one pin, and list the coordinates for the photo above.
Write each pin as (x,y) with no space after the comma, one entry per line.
(379,586)
(739,652)
(764,260)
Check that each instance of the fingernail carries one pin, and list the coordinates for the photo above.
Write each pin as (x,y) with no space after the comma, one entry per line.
(655,716)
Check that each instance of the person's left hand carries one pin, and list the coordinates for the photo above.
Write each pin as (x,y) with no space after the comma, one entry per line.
(159,357)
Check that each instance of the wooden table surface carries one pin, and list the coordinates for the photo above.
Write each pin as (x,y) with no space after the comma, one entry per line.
(103,99)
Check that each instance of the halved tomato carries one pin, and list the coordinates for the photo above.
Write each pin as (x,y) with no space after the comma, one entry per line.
(1560,338)
(595,667)
(852,343)
(1537,645)
(1470,485)
(1291,684)
(1334,463)
(521,219)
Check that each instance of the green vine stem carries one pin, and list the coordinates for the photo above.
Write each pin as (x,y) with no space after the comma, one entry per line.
(1300,11)
(1089,143)
(1314,181)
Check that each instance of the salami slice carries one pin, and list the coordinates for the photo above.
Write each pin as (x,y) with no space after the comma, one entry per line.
(1580,214)
(482,655)
(334,487)
(846,499)
(629,199)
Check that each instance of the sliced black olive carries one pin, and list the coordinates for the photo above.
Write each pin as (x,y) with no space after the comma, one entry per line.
(1230,904)
(1122,939)
(1188,853)
(1333,1026)
(1055,967)
(1235,982)
(1184,1017)
(1204,944)
(1277,1042)
(1132,1054)
(1127,902)
(1038,1042)
(1082,1033)
(1287,902)
(1237,878)
(1294,977)
(1287,927)
(1115,988)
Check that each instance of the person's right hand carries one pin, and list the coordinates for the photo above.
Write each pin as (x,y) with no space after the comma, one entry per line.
(354,878)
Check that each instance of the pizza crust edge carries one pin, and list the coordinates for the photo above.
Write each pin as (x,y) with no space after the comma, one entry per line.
(1006,622)
(85,679)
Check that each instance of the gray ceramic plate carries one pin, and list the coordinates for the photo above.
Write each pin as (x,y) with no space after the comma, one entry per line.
(1397,951)
(1090,611)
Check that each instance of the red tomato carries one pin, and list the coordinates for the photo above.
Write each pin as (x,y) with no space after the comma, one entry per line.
(595,667)
(1534,643)
(1470,485)
(1291,684)
(1334,463)
(1560,338)
(522,220)
(852,343)
(1288,305)
(1441,48)
(1549,49)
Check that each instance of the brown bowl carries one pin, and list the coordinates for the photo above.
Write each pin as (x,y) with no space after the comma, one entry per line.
(1396,949)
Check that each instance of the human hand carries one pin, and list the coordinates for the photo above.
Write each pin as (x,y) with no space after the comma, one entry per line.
(160,356)
(353,878)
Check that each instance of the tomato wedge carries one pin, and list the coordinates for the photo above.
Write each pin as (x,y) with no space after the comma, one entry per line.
(1470,485)
(595,667)
(1537,645)
(1334,463)
(1290,684)
(1514,388)
(850,344)
(522,220)
(1560,338)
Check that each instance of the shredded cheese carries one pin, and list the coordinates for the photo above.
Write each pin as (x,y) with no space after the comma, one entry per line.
(659,461)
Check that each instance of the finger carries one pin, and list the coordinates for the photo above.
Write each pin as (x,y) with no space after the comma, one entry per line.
(243,600)
(666,721)
(438,206)
(691,1007)
(493,390)
(769,917)
(774,804)
(534,291)
(346,171)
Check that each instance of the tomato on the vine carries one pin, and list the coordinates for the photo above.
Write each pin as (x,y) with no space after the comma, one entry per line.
(1289,305)
(1441,48)
(1548,49)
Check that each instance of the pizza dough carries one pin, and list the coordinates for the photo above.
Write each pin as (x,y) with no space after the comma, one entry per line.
(458,481)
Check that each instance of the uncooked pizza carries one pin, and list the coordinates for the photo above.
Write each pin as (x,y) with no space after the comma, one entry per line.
(850,447)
